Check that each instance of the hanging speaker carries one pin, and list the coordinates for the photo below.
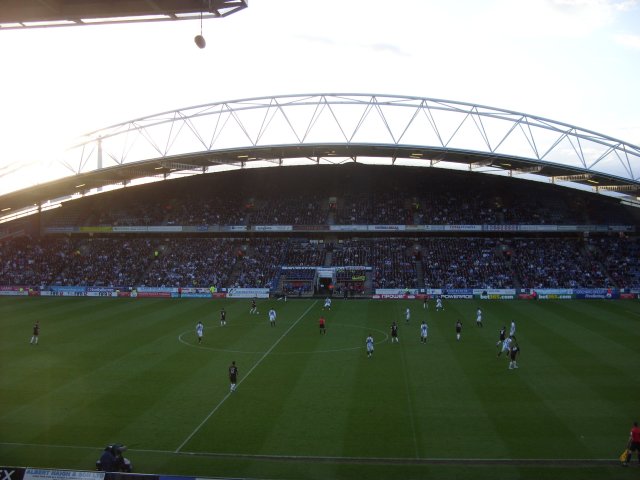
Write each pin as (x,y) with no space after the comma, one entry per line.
(200,41)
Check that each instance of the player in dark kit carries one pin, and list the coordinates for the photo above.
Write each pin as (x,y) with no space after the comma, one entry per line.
(323,329)
(36,332)
(223,317)
(514,350)
(233,375)
(458,329)
(394,332)
(254,307)
(502,336)
(634,443)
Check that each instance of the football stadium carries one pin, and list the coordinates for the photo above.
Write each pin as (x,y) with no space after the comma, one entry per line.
(324,286)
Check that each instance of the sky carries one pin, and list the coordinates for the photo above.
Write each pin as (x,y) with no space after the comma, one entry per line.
(573,61)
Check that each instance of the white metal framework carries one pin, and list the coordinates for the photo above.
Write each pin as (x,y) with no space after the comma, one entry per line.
(411,126)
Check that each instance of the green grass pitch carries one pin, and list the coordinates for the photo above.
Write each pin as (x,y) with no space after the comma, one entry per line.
(309,406)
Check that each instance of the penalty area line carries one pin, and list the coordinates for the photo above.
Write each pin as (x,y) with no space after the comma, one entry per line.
(217,407)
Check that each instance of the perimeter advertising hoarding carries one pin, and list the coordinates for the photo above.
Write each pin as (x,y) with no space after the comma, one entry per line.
(11,473)
(95,229)
(497,296)
(452,293)
(165,228)
(20,473)
(272,228)
(144,229)
(12,291)
(495,293)
(553,293)
(457,293)
(155,292)
(200,228)
(378,296)
(29,473)
(433,291)
(59,229)
(554,296)
(152,229)
(348,228)
(102,292)
(248,293)
(538,228)
(596,293)
(309,228)
(130,229)
(501,228)
(234,228)
(463,228)
(57,291)
(396,291)
(48,474)
(194,292)
(386,228)
(403,293)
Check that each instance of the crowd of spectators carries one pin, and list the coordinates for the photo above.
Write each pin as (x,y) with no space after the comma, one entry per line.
(260,263)
(193,262)
(463,263)
(105,262)
(393,263)
(369,197)
(347,253)
(125,216)
(456,262)
(384,208)
(305,254)
(620,256)
(196,211)
(283,209)
(33,261)
(447,208)
(556,263)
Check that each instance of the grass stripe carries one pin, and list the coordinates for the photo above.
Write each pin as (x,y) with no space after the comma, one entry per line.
(215,409)
(405,370)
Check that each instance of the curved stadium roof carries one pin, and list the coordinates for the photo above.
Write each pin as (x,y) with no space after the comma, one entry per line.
(334,129)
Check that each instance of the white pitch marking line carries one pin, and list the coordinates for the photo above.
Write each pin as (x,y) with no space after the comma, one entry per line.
(321,458)
(245,377)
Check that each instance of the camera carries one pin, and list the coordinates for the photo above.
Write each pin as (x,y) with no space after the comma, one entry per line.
(112,459)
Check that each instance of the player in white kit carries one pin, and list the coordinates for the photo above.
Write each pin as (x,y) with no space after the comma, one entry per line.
(424,330)
(199,331)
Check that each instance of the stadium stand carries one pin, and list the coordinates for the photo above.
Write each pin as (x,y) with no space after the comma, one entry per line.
(80,243)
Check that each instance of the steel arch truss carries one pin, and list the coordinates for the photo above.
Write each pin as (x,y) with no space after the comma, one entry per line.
(334,128)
